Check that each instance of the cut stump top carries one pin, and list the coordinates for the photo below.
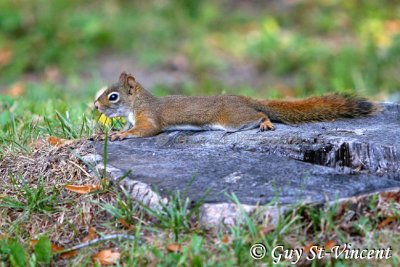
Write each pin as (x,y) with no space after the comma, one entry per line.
(311,162)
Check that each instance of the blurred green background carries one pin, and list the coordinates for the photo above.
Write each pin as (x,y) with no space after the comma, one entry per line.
(54,55)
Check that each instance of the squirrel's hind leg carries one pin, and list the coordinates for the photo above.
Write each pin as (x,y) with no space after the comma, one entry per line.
(250,121)
(266,124)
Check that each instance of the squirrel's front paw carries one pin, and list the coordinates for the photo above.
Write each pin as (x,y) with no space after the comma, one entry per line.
(122,135)
(117,136)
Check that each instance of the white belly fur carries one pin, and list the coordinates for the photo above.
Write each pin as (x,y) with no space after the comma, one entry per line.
(208,127)
(189,127)
(131,119)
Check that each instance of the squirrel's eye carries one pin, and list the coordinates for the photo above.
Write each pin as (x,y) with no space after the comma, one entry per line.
(113,97)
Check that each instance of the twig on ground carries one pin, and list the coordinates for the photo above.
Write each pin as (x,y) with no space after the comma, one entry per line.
(97,240)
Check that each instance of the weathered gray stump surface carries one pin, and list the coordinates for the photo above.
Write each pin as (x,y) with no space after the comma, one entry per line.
(311,162)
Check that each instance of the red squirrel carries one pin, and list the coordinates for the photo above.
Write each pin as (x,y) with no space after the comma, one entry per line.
(148,115)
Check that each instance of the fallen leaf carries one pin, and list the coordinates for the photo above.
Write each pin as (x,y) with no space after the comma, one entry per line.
(83,189)
(91,235)
(225,239)
(125,224)
(267,229)
(106,257)
(55,141)
(65,255)
(5,56)
(17,89)
(174,247)
(386,221)
(329,244)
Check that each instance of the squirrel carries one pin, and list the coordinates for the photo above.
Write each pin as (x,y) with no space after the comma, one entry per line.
(148,115)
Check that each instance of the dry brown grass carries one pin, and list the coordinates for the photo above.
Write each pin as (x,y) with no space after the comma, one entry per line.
(57,165)
(72,214)
(53,166)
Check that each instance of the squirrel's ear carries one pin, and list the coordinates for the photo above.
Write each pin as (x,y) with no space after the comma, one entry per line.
(131,82)
(122,77)
(127,79)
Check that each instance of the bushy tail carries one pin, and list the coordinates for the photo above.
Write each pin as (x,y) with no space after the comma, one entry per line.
(322,108)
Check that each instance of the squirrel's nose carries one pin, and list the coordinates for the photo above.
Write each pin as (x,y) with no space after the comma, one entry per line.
(96,105)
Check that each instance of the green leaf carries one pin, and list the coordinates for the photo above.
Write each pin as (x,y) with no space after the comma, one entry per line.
(17,254)
(43,250)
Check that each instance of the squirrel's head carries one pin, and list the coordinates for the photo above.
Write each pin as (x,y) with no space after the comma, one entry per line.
(116,100)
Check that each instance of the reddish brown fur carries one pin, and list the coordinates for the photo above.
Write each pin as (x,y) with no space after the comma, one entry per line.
(232,113)
(322,108)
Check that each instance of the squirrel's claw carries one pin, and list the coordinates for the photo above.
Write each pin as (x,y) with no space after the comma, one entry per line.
(265,126)
(121,136)
(115,136)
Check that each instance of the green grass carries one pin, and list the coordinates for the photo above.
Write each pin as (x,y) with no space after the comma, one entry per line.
(308,48)
(228,246)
